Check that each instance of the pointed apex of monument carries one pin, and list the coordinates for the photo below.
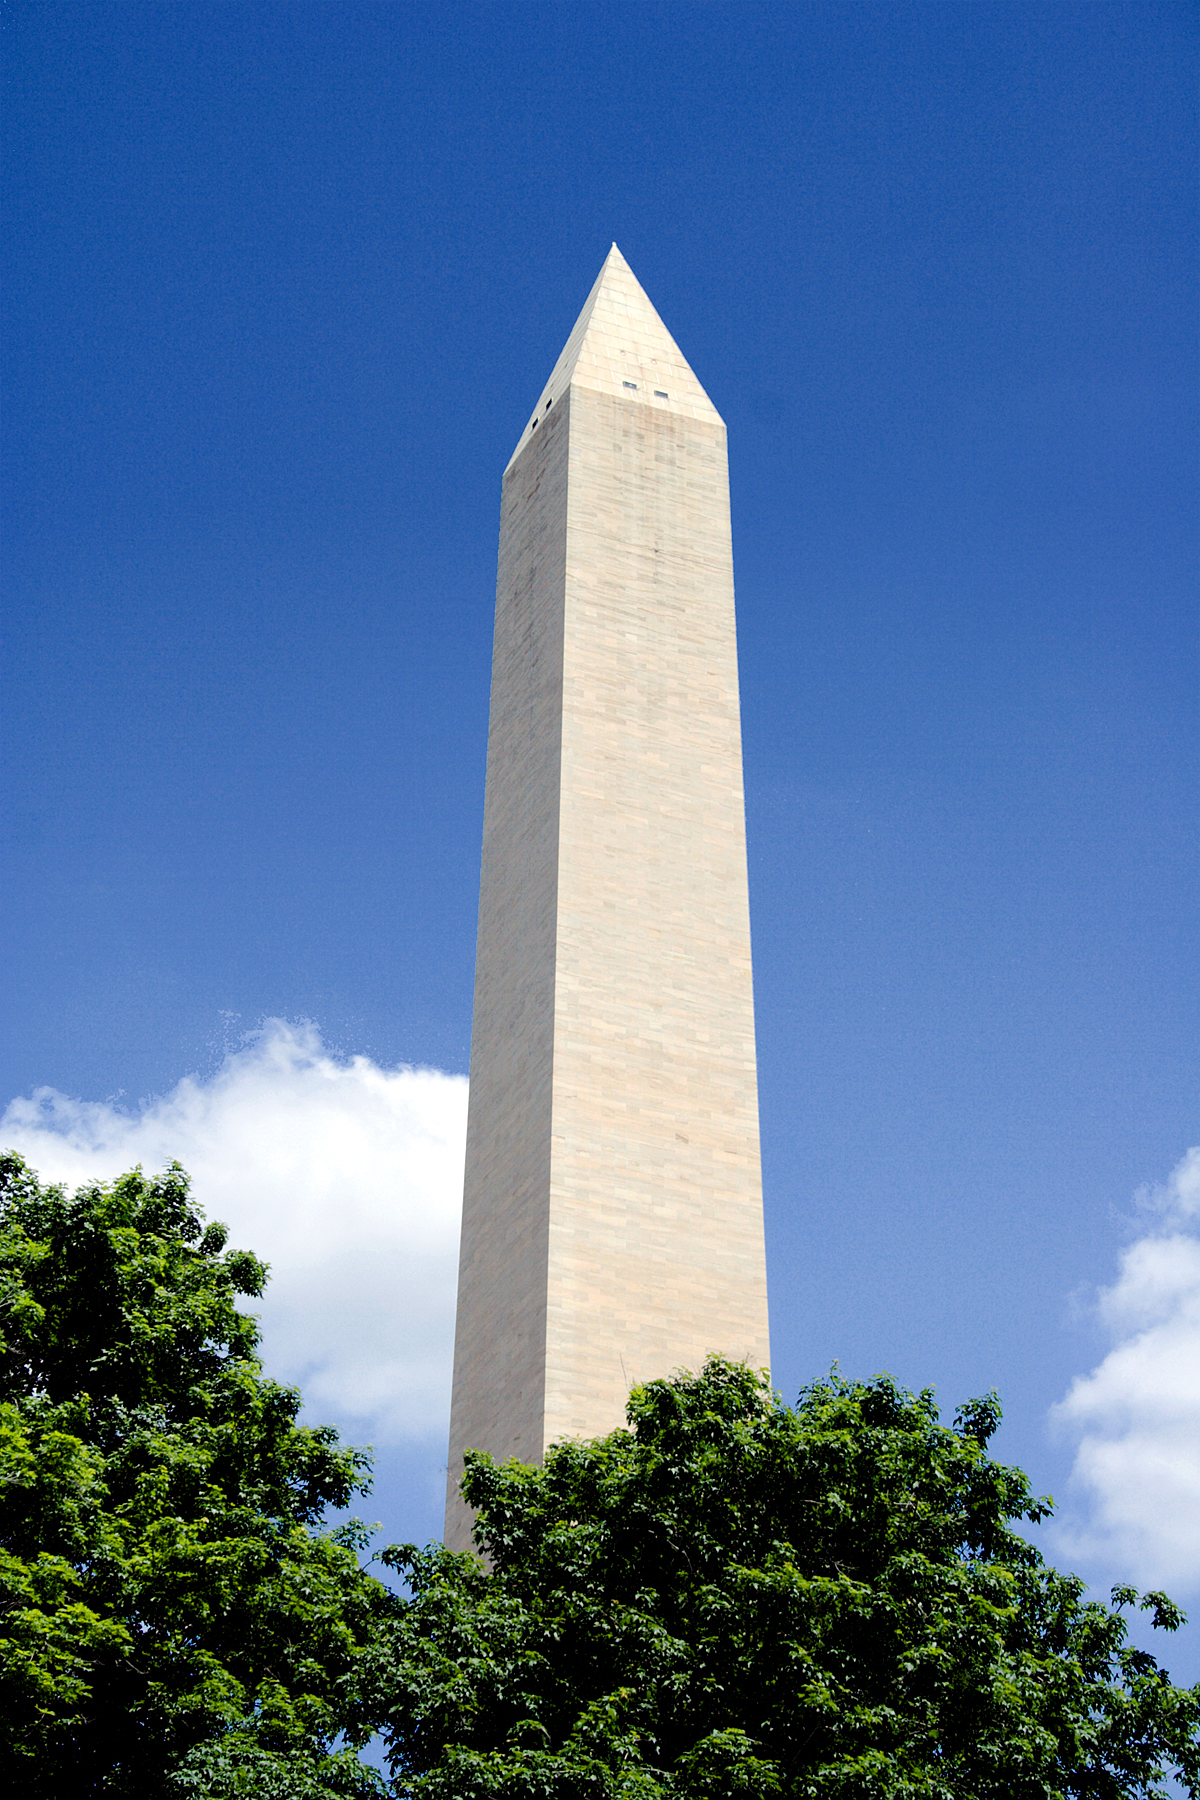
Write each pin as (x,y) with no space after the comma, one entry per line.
(621,347)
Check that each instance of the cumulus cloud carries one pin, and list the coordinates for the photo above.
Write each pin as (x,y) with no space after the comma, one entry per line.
(1137,1415)
(346,1177)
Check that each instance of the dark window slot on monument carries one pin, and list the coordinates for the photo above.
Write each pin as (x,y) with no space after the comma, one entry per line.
(632,384)
(661,394)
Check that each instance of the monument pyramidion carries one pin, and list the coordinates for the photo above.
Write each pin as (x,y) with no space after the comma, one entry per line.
(612,1214)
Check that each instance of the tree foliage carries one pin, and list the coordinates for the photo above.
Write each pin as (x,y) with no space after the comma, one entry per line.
(173,1617)
(729,1598)
(733,1597)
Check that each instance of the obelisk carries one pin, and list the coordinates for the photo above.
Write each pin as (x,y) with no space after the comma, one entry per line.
(612,1214)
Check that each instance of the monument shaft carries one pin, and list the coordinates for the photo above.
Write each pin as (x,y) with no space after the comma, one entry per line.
(612,1213)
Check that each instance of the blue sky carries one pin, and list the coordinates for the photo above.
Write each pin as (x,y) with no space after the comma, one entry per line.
(283,282)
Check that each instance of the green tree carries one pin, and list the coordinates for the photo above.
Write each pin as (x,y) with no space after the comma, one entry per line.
(733,1597)
(173,1617)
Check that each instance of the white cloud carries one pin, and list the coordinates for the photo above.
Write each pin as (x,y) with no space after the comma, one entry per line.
(346,1177)
(1137,1414)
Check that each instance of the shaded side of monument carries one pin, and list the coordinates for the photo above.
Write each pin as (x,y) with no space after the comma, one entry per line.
(612,1214)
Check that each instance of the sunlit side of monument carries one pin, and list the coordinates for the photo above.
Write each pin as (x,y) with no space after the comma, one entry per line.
(612,1214)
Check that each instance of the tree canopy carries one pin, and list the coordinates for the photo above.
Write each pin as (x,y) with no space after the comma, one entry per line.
(173,1617)
(736,1597)
(730,1597)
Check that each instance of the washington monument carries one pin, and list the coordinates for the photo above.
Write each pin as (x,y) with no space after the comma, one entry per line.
(612,1213)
